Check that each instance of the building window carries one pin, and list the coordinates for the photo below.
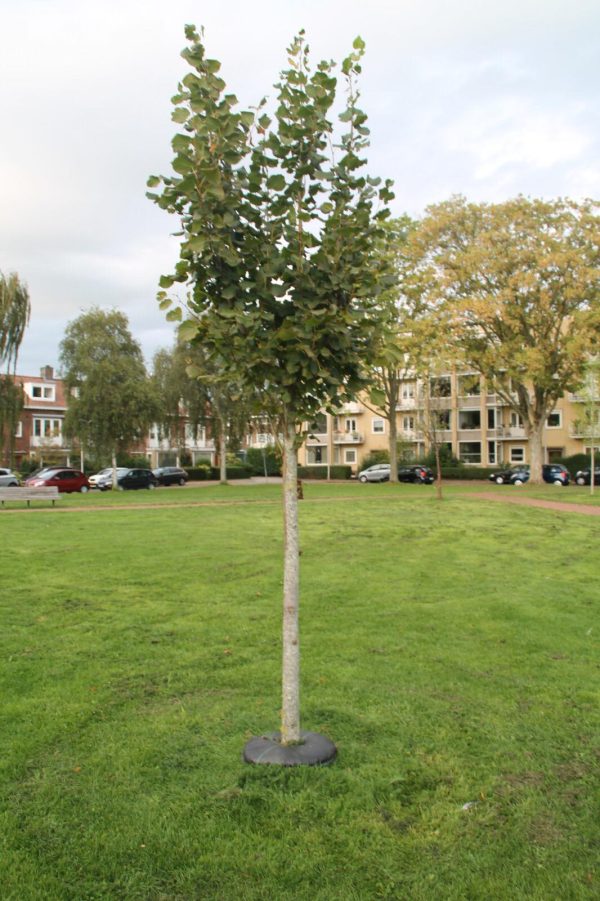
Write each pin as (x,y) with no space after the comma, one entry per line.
(516,420)
(19,430)
(491,418)
(43,392)
(319,425)
(350,456)
(517,454)
(408,390)
(440,387)
(316,455)
(408,423)
(492,452)
(469,419)
(469,386)
(378,426)
(440,420)
(350,425)
(554,420)
(47,428)
(469,451)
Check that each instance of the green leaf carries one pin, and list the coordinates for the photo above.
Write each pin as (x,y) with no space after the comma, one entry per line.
(188,330)
(165,281)
(276,183)
(358,43)
(153,181)
(175,315)
(197,244)
(180,115)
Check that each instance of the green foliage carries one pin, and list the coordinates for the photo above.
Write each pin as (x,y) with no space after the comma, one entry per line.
(112,403)
(233,471)
(336,471)
(447,458)
(374,457)
(469,473)
(575,462)
(202,473)
(278,233)
(15,308)
(268,458)
(132,461)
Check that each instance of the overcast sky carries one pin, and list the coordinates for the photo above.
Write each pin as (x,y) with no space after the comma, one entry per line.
(486,99)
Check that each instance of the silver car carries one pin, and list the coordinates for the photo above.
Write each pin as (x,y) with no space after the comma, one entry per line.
(8,479)
(380,472)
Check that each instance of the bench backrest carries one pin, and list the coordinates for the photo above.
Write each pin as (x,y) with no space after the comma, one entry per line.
(20,494)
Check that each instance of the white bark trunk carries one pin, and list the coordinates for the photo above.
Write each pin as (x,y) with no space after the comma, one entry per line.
(114,471)
(223,453)
(290,705)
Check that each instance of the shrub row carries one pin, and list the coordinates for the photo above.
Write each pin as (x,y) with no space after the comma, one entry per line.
(213,473)
(476,473)
(320,472)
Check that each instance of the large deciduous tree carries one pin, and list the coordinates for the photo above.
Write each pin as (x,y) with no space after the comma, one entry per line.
(111,404)
(279,234)
(519,283)
(15,309)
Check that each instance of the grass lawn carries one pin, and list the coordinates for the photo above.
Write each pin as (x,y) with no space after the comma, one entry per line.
(449,649)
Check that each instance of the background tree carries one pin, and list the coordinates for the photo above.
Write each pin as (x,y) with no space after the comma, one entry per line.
(589,424)
(111,404)
(519,284)
(278,252)
(183,401)
(15,309)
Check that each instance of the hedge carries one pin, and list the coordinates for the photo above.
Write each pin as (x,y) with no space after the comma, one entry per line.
(320,472)
(476,473)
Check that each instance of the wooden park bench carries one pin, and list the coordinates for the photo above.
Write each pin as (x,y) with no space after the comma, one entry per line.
(29,494)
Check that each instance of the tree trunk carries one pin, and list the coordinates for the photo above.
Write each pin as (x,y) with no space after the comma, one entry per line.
(593,463)
(393,447)
(114,470)
(536,453)
(222,452)
(438,472)
(290,704)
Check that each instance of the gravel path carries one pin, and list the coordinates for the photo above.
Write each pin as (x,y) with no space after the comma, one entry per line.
(563,506)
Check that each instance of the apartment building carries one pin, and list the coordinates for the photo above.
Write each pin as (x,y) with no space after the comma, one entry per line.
(478,426)
(40,430)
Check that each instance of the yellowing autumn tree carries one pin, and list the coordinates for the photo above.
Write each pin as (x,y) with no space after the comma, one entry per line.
(519,283)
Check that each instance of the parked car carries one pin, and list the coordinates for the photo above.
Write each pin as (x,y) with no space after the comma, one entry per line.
(8,479)
(554,473)
(513,475)
(171,475)
(130,479)
(104,480)
(420,474)
(583,476)
(66,480)
(100,476)
(380,472)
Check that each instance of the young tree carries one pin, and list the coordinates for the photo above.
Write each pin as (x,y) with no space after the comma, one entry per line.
(278,251)
(111,403)
(519,283)
(15,309)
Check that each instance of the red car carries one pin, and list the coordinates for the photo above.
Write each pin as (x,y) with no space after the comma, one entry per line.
(66,480)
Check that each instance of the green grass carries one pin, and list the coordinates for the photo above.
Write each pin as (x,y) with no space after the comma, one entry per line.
(449,649)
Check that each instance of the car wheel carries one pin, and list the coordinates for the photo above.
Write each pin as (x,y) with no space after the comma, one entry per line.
(84,489)
(580,481)
(558,482)
(518,482)
(121,487)
(182,481)
(499,480)
(362,479)
(151,486)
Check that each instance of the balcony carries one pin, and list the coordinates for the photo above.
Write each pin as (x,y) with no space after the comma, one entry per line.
(511,431)
(406,403)
(350,409)
(316,438)
(347,438)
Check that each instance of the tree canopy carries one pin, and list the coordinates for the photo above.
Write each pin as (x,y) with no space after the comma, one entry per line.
(111,403)
(518,287)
